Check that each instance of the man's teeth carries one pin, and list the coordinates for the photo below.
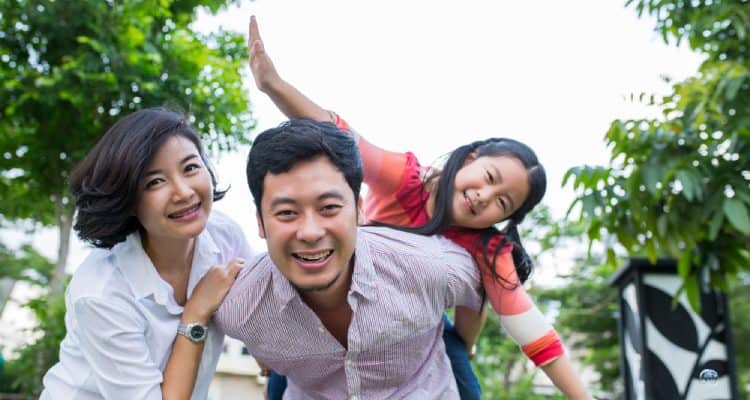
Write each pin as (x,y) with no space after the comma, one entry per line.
(314,257)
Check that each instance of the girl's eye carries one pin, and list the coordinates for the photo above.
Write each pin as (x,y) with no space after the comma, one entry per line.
(502,203)
(489,177)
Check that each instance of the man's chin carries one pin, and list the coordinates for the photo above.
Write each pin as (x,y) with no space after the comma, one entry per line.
(316,287)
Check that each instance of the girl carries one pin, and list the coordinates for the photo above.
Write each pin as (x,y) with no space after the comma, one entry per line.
(139,306)
(482,183)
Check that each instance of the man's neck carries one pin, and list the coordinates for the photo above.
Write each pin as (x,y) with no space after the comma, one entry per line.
(331,306)
(333,297)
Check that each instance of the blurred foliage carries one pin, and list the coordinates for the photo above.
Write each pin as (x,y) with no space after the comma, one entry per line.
(739,309)
(24,373)
(26,264)
(679,186)
(70,69)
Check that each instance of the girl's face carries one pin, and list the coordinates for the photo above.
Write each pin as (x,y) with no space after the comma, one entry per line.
(176,195)
(488,189)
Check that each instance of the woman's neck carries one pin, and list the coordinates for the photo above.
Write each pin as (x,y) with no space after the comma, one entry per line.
(169,256)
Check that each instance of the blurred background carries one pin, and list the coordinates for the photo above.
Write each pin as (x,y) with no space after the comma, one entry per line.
(639,111)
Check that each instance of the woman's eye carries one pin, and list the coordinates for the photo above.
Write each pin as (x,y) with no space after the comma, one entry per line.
(154,182)
(192,167)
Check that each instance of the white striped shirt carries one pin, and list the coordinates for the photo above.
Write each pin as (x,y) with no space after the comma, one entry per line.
(401,285)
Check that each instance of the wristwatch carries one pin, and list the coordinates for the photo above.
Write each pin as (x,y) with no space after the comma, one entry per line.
(195,332)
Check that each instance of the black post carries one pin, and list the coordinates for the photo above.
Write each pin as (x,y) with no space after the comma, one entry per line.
(668,351)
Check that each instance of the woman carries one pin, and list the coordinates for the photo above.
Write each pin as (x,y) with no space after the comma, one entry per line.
(139,307)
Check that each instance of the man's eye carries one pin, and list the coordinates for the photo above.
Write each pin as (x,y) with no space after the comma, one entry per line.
(284,213)
(331,208)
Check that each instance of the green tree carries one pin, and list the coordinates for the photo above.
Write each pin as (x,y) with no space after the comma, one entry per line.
(679,185)
(69,69)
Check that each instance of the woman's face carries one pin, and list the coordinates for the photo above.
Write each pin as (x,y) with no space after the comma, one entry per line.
(176,195)
(488,189)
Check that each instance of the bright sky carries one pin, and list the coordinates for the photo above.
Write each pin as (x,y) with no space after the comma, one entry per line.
(427,76)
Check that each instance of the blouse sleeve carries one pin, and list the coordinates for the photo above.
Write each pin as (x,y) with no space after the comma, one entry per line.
(114,344)
(383,169)
(519,316)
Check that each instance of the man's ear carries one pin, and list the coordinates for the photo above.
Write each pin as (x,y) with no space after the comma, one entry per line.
(261,228)
(360,210)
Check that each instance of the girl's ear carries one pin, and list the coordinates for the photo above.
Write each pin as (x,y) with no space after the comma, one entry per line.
(360,211)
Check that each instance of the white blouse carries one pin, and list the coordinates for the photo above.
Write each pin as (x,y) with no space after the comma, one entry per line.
(122,319)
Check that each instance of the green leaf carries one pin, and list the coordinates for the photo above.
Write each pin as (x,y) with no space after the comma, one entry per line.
(692,290)
(737,215)
(683,265)
(715,226)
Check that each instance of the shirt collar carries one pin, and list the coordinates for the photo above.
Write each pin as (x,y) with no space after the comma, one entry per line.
(136,266)
(364,276)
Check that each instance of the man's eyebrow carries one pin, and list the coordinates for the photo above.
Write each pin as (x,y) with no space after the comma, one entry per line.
(183,161)
(331,194)
(277,201)
(283,200)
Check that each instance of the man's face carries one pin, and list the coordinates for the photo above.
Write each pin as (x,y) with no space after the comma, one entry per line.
(309,223)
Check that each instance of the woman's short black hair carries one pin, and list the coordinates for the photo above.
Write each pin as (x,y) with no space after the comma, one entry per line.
(106,183)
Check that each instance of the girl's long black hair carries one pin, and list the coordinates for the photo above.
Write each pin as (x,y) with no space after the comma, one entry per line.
(441,216)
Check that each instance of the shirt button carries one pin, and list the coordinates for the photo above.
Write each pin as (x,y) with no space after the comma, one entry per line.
(348,362)
(353,397)
(320,329)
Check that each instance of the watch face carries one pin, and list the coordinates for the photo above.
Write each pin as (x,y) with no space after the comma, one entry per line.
(197,332)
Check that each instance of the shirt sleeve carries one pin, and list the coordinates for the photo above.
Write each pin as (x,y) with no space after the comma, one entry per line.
(464,284)
(519,316)
(114,344)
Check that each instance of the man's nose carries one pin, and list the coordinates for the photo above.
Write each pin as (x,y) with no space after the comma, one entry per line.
(310,229)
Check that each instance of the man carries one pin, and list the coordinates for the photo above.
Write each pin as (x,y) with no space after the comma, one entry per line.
(342,311)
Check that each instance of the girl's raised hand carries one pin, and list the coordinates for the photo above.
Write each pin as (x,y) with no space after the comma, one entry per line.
(261,66)
(210,291)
